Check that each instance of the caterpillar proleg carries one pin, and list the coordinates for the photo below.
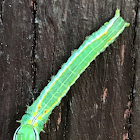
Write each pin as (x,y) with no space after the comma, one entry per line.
(37,114)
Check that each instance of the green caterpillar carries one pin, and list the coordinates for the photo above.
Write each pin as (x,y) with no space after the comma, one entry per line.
(37,114)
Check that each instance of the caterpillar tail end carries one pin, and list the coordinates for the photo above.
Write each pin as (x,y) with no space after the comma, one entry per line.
(117,13)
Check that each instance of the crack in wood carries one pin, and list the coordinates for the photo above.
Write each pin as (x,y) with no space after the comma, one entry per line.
(33,59)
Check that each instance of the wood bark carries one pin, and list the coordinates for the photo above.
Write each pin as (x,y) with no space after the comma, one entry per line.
(37,37)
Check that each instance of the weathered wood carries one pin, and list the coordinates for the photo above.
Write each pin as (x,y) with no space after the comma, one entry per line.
(15,70)
(97,107)
(136,71)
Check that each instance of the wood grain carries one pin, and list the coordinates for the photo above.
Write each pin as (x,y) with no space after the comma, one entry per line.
(99,104)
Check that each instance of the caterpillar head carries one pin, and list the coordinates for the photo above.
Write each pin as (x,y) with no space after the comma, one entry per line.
(26,132)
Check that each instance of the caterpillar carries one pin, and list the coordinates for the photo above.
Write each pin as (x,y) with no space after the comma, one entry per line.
(37,114)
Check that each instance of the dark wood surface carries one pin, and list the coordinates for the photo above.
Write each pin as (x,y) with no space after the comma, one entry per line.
(37,37)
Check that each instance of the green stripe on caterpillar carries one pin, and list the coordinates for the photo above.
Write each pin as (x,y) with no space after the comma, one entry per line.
(37,114)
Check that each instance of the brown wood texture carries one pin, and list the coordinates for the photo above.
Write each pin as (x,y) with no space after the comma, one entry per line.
(37,37)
